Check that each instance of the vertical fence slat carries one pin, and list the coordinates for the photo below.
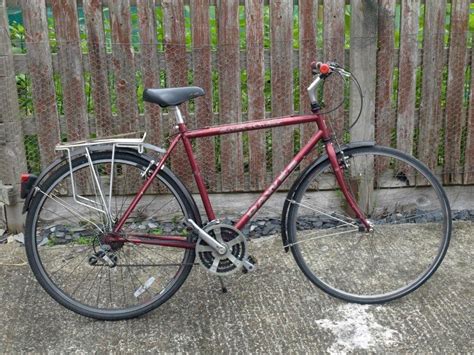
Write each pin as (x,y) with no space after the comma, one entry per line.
(70,68)
(203,79)
(384,118)
(12,149)
(334,27)
(175,44)
(307,13)
(430,112)
(176,74)
(229,93)
(150,70)
(281,22)
(123,65)
(41,72)
(455,119)
(410,10)
(469,154)
(98,67)
(363,64)
(255,89)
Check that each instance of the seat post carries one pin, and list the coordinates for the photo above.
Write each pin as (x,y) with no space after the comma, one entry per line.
(177,113)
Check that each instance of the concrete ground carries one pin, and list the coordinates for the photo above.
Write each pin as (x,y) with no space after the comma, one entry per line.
(275,309)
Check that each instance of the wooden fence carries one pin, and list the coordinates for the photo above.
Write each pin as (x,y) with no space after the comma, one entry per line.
(85,64)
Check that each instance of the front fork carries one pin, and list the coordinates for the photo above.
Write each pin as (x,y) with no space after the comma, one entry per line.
(338,172)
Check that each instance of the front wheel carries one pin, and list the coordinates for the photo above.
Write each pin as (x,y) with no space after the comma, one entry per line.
(66,236)
(411,220)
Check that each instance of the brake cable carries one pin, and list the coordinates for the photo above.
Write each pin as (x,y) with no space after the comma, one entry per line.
(359,89)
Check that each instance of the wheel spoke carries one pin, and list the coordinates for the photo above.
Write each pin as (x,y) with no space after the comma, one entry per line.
(319,237)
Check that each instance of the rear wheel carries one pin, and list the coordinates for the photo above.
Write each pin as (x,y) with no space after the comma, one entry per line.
(411,226)
(66,238)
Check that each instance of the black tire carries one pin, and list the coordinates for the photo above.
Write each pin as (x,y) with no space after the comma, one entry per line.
(411,220)
(136,265)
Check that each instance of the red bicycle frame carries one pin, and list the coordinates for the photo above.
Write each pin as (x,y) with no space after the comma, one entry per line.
(185,135)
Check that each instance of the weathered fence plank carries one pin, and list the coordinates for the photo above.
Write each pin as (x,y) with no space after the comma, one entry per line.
(12,149)
(363,65)
(229,94)
(98,67)
(385,120)
(281,22)
(363,59)
(42,81)
(307,13)
(70,63)
(124,68)
(150,70)
(469,153)
(203,78)
(430,118)
(410,10)
(176,75)
(454,121)
(255,90)
(334,28)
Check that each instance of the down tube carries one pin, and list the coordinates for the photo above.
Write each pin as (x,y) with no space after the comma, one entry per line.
(279,180)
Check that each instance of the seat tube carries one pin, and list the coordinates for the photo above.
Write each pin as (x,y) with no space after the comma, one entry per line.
(197,174)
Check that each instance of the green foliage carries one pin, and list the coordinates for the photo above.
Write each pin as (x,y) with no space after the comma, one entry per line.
(17,37)
(243,90)
(268,150)
(33,154)
(82,240)
(23,84)
(296,141)
(85,240)
(441,147)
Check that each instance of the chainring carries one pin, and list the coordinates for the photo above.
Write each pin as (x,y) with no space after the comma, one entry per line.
(236,253)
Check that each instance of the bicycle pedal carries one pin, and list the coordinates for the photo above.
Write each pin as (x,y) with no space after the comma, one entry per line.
(106,256)
(249,265)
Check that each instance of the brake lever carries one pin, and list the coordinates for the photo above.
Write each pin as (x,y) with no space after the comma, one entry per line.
(337,68)
(343,72)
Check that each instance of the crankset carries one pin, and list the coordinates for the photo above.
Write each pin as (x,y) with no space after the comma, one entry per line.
(235,256)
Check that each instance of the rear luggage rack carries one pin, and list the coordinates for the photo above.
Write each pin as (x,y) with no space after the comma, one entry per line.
(119,141)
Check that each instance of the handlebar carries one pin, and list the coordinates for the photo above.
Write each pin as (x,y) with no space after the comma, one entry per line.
(328,68)
(323,71)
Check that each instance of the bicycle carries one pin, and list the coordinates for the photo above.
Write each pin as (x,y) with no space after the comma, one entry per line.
(112,234)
